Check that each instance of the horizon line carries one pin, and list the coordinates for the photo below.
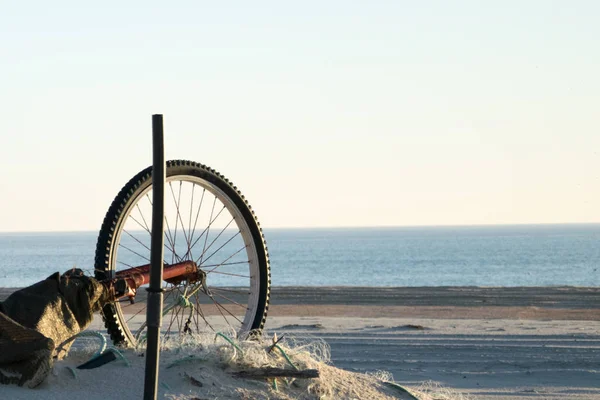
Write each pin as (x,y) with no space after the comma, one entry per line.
(357,227)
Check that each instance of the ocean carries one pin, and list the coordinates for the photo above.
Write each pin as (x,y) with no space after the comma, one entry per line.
(510,255)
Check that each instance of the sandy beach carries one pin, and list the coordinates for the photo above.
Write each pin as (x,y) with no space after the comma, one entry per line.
(493,343)
(490,343)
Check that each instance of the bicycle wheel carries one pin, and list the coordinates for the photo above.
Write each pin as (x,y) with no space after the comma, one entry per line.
(208,221)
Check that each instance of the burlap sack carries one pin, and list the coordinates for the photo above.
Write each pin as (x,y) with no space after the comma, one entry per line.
(36,319)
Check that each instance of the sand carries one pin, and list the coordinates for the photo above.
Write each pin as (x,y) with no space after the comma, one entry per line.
(490,343)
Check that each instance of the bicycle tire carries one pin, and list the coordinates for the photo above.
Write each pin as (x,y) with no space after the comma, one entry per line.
(131,198)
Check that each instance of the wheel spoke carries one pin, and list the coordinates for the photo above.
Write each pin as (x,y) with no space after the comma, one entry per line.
(134,252)
(197,215)
(171,241)
(147,228)
(176,220)
(178,217)
(123,263)
(221,289)
(166,242)
(230,274)
(172,313)
(199,312)
(232,301)
(220,306)
(189,242)
(206,230)
(139,223)
(136,239)
(223,245)
(221,312)
(225,263)
(137,313)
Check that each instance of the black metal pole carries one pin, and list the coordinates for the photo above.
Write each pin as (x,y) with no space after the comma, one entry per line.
(155,291)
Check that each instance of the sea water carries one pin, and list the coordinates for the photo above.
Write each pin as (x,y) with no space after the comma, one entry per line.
(517,255)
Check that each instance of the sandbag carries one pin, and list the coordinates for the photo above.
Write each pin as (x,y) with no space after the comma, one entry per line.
(36,319)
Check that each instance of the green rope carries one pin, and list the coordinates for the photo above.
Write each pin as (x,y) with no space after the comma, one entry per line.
(182,301)
(73,372)
(230,341)
(89,334)
(98,352)
(193,292)
(111,349)
(286,357)
(120,355)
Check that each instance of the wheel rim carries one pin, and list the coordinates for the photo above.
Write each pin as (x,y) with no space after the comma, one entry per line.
(204,225)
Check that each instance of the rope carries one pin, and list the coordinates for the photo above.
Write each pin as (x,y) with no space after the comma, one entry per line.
(120,355)
(73,372)
(101,350)
(182,301)
(112,349)
(83,334)
(286,357)
(230,341)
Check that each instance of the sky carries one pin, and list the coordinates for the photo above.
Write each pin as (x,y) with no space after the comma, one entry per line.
(323,113)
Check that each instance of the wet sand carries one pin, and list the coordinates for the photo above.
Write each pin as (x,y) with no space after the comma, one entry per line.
(560,303)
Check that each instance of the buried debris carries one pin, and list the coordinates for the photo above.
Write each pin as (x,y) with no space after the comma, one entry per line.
(193,380)
(418,327)
(261,373)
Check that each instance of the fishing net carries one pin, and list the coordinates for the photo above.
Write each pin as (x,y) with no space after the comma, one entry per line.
(37,319)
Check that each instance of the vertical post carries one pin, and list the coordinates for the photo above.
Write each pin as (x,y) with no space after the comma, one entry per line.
(155,291)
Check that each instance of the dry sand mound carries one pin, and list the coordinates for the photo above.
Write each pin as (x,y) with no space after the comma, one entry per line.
(217,367)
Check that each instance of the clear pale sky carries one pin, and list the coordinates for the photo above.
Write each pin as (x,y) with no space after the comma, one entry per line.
(324,113)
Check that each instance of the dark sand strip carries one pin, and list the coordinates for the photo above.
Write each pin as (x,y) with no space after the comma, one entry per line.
(546,297)
(542,297)
(534,303)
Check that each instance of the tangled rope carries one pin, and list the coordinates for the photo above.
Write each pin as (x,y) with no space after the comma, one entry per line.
(182,301)
(102,350)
